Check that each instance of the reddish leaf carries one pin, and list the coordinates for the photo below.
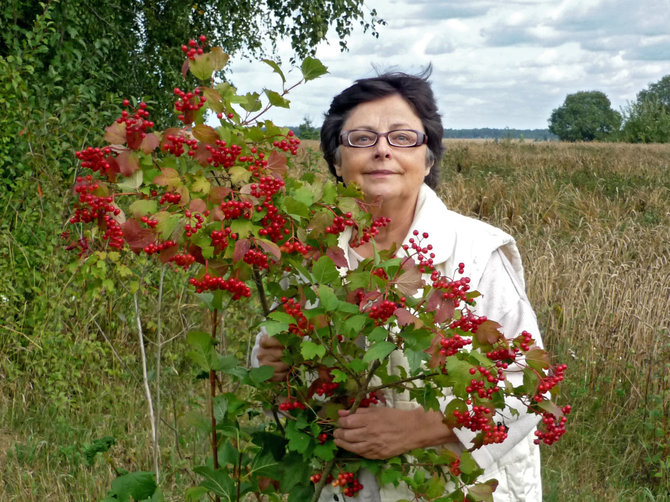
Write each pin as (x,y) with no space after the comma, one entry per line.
(197,206)
(197,253)
(213,99)
(137,236)
(410,280)
(370,296)
(184,68)
(134,138)
(405,317)
(168,178)
(488,333)
(185,195)
(116,133)
(270,248)
(217,214)
(128,163)
(150,142)
(202,155)
(277,164)
(241,248)
(551,407)
(445,311)
(206,134)
(337,255)
(537,358)
(218,193)
(168,253)
(437,359)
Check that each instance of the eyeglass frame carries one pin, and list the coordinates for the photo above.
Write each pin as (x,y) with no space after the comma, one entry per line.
(421,138)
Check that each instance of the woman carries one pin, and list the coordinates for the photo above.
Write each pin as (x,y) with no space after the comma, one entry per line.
(385,134)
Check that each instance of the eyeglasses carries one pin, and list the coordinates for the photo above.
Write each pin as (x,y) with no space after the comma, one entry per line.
(401,138)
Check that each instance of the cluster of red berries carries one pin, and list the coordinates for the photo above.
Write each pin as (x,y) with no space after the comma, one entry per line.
(339,224)
(381,311)
(367,401)
(322,438)
(233,285)
(223,155)
(291,143)
(183,260)
(266,187)
(348,482)
(479,386)
(455,467)
(150,222)
(477,419)
(233,209)
(502,356)
(551,381)
(379,272)
(273,223)
(423,255)
(156,248)
(326,388)
(368,233)
(453,344)
(188,103)
(136,124)
(256,258)
(525,341)
(99,159)
(175,144)
(315,478)
(92,208)
(170,197)
(295,246)
(220,238)
(302,326)
(468,322)
(199,220)
(291,404)
(495,434)
(553,428)
(452,290)
(194,49)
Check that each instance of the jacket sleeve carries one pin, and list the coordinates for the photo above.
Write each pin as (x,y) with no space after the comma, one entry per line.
(504,300)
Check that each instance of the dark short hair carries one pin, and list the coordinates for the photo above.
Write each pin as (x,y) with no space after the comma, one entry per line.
(415,89)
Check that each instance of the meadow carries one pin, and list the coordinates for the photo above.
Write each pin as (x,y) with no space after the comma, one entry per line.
(593,225)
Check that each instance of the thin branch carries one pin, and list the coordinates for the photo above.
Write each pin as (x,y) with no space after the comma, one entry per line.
(145,378)
(116,354)
(159,347)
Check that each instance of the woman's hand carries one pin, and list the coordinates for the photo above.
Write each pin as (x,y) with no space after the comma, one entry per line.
(380,433)
(270,352)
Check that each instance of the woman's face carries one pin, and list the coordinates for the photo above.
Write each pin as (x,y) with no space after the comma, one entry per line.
(393,174)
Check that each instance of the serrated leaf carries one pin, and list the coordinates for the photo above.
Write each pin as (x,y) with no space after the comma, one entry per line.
(277,99)
(538,358)
(311,350)
(167,222)
(259,375)
(327,297)
(214,100)
(312,68)
(488,333)
(131,183)
(275,67)
(483,492)
(168,178)
(277,164)
(378,351)
(324,270)
(136,236)
(150,142)
(142,207)
(206,134)
(133,486)
(218,481)
(239,175)
(218,58)
(115,134)
(409,282)
(202,67)
(250,102)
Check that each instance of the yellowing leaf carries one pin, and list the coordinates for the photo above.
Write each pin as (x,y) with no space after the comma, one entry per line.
(168,178)
(218,58)
(115,134)
(205,133)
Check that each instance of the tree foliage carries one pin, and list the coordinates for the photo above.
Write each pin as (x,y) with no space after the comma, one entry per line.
(102,38)
(647,120)
(585,116)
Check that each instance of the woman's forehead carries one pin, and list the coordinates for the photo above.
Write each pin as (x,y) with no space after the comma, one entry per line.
(390,111)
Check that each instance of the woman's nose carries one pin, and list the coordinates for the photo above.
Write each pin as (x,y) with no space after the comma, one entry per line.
(382,148)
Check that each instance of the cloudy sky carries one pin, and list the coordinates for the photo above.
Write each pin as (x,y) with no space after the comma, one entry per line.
(496,63)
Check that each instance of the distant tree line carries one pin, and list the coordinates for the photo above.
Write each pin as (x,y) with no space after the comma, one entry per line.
(493,133)
(588,116)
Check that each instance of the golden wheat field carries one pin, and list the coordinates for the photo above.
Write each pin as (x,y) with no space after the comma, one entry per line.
(593,225)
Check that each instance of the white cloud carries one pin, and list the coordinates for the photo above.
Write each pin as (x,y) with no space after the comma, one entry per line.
(495,64)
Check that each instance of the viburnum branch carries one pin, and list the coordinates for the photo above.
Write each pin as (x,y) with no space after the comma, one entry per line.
(403,381)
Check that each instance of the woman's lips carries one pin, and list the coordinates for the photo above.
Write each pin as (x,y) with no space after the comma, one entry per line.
(380,172)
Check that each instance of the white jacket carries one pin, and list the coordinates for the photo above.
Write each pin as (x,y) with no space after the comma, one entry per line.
(493,264)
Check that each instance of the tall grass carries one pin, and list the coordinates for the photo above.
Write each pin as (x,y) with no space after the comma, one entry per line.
(593,225)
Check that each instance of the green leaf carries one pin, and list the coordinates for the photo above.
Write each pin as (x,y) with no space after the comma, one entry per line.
(142,207)
(304,194)
(131,183)
(241,227)
(202,67)
(202,352)
(276,69)
(297,440)
(250,102)
(339,376)
(138,485)
(311,350)
(483,492)
(219,481)
(469,467)
(378,351)
(354,324)
(537,358)
(98,446)
(277,99)
(259,375)
(325,451)
(312,68)
(327,298)
(239,175)
(378,334)
(324,270)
